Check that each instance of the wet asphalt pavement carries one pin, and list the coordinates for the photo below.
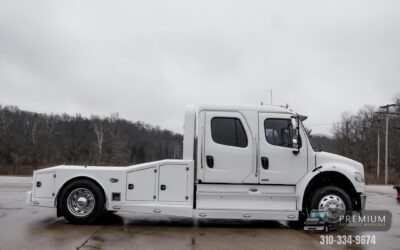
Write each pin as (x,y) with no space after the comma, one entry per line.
(22,227)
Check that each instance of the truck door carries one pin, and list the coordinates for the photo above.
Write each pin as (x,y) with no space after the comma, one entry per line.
(228,148)
(278,164)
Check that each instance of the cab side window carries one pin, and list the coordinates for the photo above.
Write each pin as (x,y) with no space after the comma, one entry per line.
(228,131)
(278,132)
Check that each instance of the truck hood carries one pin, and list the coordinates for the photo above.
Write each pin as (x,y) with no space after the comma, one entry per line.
(325,157)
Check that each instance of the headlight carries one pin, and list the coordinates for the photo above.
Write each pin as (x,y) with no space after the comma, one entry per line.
(358,177)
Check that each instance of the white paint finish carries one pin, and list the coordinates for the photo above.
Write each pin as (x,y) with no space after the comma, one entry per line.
(46,189)
(175,179)
(200,164)
(144,184)
(102,176)
(264,189)
(42,202)
(252,121)
(235,108)
(247,214)
(231,164)
(310,151)
(181,210)
(189,131)
(339,167)
(285,167)
(246,201)
(325,157)
(245,197)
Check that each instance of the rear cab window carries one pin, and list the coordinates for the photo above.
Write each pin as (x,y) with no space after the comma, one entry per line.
(228,131)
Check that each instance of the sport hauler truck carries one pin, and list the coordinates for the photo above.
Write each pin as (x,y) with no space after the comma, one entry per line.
(239,162)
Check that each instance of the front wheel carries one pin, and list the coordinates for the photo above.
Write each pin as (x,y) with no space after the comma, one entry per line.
(82,202)
(334,200)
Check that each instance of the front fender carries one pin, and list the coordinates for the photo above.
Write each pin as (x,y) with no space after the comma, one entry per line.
(341,168)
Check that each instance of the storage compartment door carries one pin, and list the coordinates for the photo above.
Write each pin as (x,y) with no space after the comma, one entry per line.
(141,185)
(44,185)
(173,183)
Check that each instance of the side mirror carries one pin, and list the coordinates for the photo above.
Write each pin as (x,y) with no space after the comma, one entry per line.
(295,143)
(294,132)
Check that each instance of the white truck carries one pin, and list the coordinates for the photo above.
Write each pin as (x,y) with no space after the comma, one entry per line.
(239,162)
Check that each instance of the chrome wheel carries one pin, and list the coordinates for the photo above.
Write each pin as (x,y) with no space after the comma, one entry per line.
(81,202)
(335,205)
(332,203)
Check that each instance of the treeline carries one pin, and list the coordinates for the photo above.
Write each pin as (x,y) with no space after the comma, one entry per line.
(356,137)
(30,141)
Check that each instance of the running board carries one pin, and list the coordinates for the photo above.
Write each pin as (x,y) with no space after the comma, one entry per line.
(246,197)
(249,214)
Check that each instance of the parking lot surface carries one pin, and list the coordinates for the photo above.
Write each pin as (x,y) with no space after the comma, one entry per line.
(23,227)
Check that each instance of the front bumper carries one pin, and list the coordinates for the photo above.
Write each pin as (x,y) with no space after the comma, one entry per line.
(363,201)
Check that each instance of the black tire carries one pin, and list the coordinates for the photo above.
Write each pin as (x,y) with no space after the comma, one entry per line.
(99,202)
(330,190)
(320,193)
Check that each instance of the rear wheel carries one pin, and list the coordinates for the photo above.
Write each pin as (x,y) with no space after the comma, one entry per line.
(82,202)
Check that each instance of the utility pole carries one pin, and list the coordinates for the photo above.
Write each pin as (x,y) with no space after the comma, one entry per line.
(379,158)
(386,146)
(387,113)
(378,162)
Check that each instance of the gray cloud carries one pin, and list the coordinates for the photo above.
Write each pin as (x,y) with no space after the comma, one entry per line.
(147,59)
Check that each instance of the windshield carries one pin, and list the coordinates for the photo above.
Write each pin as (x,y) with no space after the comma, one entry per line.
(308,136)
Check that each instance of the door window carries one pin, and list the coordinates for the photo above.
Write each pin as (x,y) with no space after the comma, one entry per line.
(278,132)
(228,131)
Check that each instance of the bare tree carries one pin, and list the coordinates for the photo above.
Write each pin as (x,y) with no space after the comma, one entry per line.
(51,124)
(99,130)
(7,117)
(35,127)
(29,141)
(112,121)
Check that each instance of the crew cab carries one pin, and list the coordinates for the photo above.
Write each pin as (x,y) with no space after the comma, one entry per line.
(239,162)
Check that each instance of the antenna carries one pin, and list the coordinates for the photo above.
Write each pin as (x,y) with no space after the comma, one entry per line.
(271,96)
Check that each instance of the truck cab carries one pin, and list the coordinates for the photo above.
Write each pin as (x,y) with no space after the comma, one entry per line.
(239,162)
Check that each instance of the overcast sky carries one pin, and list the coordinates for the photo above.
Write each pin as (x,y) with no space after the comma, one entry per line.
(147,59)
